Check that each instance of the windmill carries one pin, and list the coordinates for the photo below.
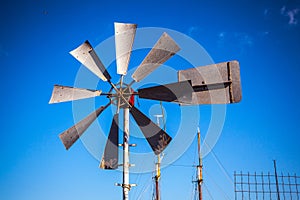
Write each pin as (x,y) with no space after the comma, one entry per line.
(186,91)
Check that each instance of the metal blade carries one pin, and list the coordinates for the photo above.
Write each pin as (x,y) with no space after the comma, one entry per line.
(64,93)
(87,56)
(156,137)
(70,136)
(124,36)
(111,152)
(214,84)
(164,49)
(180,92)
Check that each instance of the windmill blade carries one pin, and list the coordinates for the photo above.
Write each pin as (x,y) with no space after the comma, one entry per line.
(111,152)
(87,56)
(164,49)
(65,93)
(70,136)
(124,37)
(156,137)
(179,92)
(214,84)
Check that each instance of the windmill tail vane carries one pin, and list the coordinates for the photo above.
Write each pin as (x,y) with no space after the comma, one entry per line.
(189,90)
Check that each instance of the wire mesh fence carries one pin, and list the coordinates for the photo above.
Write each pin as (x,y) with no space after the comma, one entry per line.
(260,186)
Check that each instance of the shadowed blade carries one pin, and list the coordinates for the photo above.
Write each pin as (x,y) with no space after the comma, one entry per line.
(124,36)
(70,136)
(214,84)
(111,152)
(87,56)
(164,49)
(156,137)
(175,92)
(64,93)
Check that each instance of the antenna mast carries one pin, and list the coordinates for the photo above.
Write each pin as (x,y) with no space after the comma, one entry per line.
(199,167)
(157,177)
(157,166)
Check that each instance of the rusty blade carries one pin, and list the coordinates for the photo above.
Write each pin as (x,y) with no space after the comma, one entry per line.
(156,137)
(124,37)
(87,56)
(70,136)
(111,152)
(65,93)
(214,84)
(164,49)
(179,92)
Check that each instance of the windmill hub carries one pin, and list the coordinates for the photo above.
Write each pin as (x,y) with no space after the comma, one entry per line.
(123,97)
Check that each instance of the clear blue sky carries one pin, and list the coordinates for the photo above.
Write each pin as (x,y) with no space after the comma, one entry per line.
(36,37)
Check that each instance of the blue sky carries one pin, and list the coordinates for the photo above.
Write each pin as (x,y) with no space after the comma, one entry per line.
(36,36)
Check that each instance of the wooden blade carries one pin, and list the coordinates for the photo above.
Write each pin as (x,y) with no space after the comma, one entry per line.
(64,93)
(214,84)
(156,137)
(124,37)
(70,136)
(87,56)
(111,152)
(164,49)
(180,92)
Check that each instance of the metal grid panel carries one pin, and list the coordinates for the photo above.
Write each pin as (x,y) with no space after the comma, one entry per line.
(264,186)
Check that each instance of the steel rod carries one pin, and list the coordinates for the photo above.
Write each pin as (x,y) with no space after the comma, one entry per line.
(235,190)
(296,185)
(255,180)
(282,185)
(249,187)
(276,178)
(269,183)
(263,185)
(242,186)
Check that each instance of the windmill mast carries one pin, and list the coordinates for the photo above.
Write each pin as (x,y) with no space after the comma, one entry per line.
(157,177)
(126,186)
(199,167)
(157,166)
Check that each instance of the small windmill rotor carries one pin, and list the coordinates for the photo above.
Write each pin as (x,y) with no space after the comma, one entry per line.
(164,49)
(190,89)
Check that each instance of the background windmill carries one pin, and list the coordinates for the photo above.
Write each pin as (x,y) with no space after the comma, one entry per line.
(192,88)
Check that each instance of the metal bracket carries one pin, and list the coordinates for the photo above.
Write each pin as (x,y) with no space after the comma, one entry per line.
(130,165)
(126,185)
(131,145)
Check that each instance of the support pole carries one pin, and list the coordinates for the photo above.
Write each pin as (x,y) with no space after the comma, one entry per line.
(199,167)
(276,178)
(126,185)
(157,166)
(157,177)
